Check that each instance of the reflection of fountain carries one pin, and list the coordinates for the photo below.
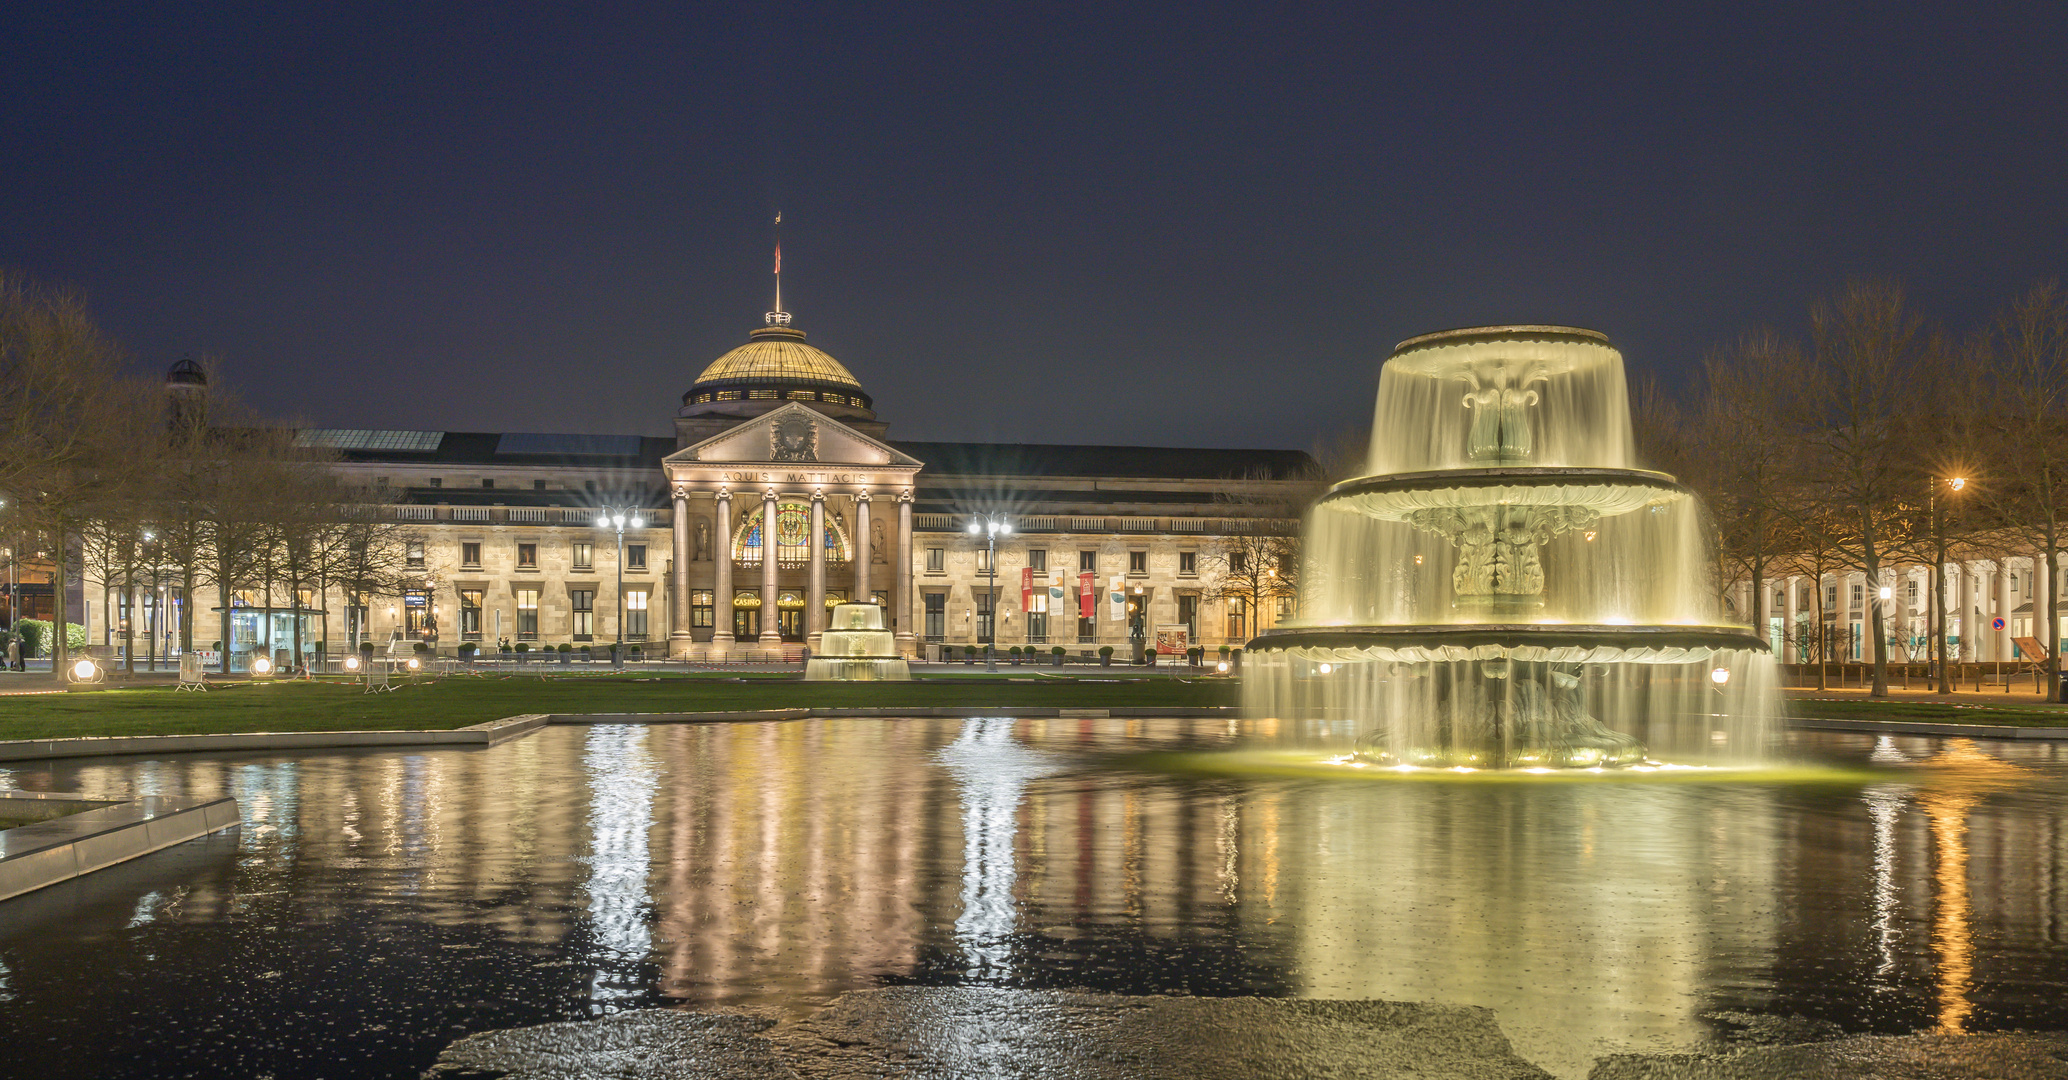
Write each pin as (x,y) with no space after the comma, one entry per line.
(1503,588)
(857,648)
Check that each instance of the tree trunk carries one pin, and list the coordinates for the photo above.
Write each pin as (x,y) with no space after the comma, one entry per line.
(2052,640)
(223,595)
(1873,565)
(59,647)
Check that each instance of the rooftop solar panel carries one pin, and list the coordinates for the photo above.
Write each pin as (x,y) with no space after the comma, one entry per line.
(569,445)
(369,439)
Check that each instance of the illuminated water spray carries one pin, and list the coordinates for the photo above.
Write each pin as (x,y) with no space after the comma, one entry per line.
(1504,588)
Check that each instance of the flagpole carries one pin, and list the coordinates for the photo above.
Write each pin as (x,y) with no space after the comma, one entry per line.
(779,261)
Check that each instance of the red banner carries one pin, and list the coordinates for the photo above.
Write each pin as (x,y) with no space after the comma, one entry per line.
(1026,588)
(1087,595)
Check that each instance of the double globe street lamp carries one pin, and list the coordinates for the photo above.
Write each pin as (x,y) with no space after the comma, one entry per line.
(991,526)
(620,519)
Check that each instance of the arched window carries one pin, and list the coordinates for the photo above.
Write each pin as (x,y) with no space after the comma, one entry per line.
(793,527)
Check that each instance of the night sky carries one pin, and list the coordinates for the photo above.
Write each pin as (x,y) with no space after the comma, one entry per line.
(1031,223)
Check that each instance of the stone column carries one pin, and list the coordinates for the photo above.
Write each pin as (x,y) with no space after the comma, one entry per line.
(721,599)
(770,635)
(678,583)
(901,578)
(2002,638)
(2042,588)
(815,589)
(862,553)
(1964,594)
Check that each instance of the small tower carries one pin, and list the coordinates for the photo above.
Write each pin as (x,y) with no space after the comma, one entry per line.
(186,395)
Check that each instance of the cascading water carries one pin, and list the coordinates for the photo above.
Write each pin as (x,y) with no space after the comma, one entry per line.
(1504,589)
(856,647)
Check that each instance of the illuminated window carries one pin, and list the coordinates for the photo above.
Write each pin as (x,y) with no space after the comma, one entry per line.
(762,395)
(728,395)
(983,560)
(833,399)
(1238,618)
(584,555)
(470,614)
(803,395)
(635,614)
(413,554)
(527,614)
(936,560)
(584,604)
(793,529)
(702,611)
(528,556)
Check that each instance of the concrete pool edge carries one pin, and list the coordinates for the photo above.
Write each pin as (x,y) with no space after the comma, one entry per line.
(513,727)
(36,856)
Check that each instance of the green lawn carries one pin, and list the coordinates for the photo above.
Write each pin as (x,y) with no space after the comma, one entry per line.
(458,702)
(1936,712)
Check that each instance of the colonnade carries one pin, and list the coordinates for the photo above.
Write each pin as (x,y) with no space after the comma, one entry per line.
(724,515)
(1979,594)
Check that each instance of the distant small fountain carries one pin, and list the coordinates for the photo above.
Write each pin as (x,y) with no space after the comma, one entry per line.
(857,648)
(1503,588)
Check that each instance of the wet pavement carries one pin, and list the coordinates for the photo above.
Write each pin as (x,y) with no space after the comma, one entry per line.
(376,906)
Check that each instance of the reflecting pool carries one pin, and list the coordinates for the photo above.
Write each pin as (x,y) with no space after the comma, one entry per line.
(374,906)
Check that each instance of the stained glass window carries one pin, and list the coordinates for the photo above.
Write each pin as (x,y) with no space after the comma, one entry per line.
(793,548)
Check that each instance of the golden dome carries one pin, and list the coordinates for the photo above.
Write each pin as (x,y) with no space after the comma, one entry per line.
(776,354)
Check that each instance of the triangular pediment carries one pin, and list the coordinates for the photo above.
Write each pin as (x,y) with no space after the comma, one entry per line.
(792,436)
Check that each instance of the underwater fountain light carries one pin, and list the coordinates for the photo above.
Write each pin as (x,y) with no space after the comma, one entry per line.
(1326,668)
(1720,676)
(1222,667)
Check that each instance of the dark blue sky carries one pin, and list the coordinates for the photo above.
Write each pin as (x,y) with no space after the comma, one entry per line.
(1031,223)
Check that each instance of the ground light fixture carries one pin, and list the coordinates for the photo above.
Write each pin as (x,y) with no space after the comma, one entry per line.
(1222,667)
(261,667)
(351,663)
(84,670)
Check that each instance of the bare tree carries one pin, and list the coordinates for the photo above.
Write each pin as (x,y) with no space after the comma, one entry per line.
(1742,454)
(2027,359)
(69,425)
(1862,392)
(1257,560)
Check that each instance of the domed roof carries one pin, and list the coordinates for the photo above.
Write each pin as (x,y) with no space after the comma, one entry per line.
(777,354)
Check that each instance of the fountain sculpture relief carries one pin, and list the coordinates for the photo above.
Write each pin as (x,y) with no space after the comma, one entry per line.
(1504,587)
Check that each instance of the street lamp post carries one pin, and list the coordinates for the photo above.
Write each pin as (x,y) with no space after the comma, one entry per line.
(1953,484)
(992,526)
(617,519)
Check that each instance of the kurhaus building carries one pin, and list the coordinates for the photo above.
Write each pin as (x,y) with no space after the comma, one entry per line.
(781,494)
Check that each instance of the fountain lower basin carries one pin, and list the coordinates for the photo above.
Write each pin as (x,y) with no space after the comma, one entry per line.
(857,647)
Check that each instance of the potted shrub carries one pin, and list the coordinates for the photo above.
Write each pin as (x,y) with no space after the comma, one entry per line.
(1149,656)
(1105,656)
(523,647)
(566,653)
(1057,653)
(419,648)
(638,654)
(1196,654)
(467,651)
(969,654)
(588,654)
(1015,651)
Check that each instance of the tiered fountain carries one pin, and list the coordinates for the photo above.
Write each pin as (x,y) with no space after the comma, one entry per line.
(1504,589)
(857,648)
